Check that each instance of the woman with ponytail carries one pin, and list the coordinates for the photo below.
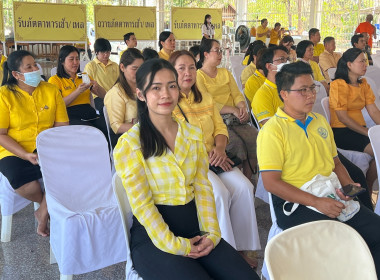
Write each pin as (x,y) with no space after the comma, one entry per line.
(28,106)
(163,165)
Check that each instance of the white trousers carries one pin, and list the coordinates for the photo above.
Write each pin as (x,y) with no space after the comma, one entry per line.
(235,209)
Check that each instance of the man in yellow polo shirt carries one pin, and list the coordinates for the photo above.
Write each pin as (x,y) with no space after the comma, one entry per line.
(262,31)
(295,146)
(266,100)
(315,37)
(329,58)
(275,35)
(130,40)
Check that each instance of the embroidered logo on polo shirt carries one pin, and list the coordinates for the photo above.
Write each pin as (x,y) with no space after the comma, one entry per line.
(67,88)
(323,132)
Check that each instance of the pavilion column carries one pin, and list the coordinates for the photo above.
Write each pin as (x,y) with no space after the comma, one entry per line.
(315,14)
(241,12)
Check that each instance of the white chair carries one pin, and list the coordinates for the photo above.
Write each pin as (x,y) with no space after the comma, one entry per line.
(236,72)
(10,203)
(331,72)
(126,218)
(86,232)
(315,250)
(320,95)
(236,60)
(53,71)
(83,64)
(373,73)
(374,136)
(109,137)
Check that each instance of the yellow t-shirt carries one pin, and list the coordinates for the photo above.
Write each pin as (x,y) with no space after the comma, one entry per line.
(344,97)
(222,88)
(203,115)
(266,101)
(164,55)
(274,37)
(247,72)
(254,82)
(120,108)
(25,115)
(104,75)
(175,178)
(317,73)
(318,49)
(299,151)
(67,86)
(245,60)
(260,29)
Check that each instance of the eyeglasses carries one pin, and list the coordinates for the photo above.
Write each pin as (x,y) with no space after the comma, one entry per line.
(313,90)
(281,59)
(218,51)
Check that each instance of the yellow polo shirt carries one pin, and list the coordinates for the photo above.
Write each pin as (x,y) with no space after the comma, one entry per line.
(266,101)
(254,82)
(247,72)
(274,38)
(299,151)
(67,86)
(3,59)
(260,29)
(318,49)
(203,115)
(120,108)
(327,61)
(162,54)
(104,75)
(245,60)
(25,115)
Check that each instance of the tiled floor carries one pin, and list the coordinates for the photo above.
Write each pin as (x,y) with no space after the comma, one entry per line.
(26,256)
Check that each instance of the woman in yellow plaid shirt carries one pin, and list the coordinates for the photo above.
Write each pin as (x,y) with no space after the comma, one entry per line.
(163,166)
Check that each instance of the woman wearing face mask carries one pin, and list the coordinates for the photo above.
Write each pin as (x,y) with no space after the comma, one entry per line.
(304,52)
(232,190)
(230,102)
(76,92)
(166,42)
(163,165)
(120,101)
(28,106)
(208,29)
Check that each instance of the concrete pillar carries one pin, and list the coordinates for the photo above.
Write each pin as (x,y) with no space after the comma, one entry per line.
(315,14)
(241,12)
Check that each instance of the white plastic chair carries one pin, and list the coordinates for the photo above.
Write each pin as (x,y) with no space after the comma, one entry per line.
(85,228)
(374,136)
(109,137)
(373,73)
(83,64)
(315,250)
(331,72)
(126,218)
(236,60)
(53,71)
(236,72)
(10,203)
(320,95)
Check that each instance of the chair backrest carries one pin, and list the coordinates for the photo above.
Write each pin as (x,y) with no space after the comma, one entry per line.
(257,123)
(76,169)
(108,126)
(236,60)
(331,72)
(236,72)
(326,108)
(83,64)
(375,90)
(321,94)
(53,71)
(374,136)
(373,73)
(314,251)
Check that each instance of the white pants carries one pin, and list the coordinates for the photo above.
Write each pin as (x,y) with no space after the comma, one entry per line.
(235,209)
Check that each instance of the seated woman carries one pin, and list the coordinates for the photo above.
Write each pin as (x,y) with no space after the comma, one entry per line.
(76,94)
(28,106)
(251,61)
(349,94)
(120,101)
(304,52)
(232,190)
(287,41)
(163,165)
(230,102)
(166,42)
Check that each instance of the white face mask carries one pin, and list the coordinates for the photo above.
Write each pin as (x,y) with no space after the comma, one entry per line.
(279,66)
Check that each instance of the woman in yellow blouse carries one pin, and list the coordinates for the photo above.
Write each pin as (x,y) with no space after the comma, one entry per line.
(163,165)
(28,106)
(252,55)
(75,92)
(305,50)
(166,42)
(120,100)
(288,42)
(230,102)
(232,190)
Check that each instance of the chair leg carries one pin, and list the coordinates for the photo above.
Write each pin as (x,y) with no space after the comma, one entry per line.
(52,257)
(36,206)
(6,228)
(66,277)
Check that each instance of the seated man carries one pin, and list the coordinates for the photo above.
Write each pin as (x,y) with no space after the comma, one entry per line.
(266,100)
(329,58)
(296,145)
(358,41)
(315,37)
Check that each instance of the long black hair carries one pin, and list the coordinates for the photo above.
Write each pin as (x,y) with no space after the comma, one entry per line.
(127,58)
(253,49)
(164,35)
(152,141)
(205,21)
(13,63)
(205,46)
(63,53)
(342,69)
(173,59)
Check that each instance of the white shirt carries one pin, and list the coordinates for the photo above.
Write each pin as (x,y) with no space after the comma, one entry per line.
(210,31)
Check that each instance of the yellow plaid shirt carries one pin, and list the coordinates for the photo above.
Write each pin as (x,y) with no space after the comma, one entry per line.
(171,179)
